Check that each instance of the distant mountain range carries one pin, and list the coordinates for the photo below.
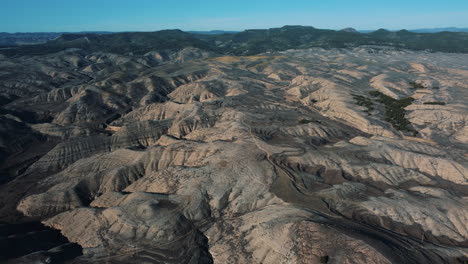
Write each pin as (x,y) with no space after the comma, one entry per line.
(428,30)
(14,39)
(350,29)
(434,30)
(248,42)
(213,32)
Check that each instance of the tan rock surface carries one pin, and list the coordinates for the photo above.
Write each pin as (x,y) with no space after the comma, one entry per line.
(189,158)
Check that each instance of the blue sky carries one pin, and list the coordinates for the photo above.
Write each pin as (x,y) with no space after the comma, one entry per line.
(151,15)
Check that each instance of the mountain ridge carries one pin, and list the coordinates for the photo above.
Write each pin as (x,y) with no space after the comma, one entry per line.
(248,42)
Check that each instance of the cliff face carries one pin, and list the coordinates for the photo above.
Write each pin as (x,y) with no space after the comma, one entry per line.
(291,157)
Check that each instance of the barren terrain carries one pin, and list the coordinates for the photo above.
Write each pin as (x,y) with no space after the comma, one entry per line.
(354,155)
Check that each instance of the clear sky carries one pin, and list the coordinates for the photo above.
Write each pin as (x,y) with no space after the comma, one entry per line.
(151,15)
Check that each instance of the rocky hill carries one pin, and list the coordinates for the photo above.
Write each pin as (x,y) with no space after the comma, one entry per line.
(172,154)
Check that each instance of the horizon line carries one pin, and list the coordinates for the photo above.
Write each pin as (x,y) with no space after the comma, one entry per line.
(212,30)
